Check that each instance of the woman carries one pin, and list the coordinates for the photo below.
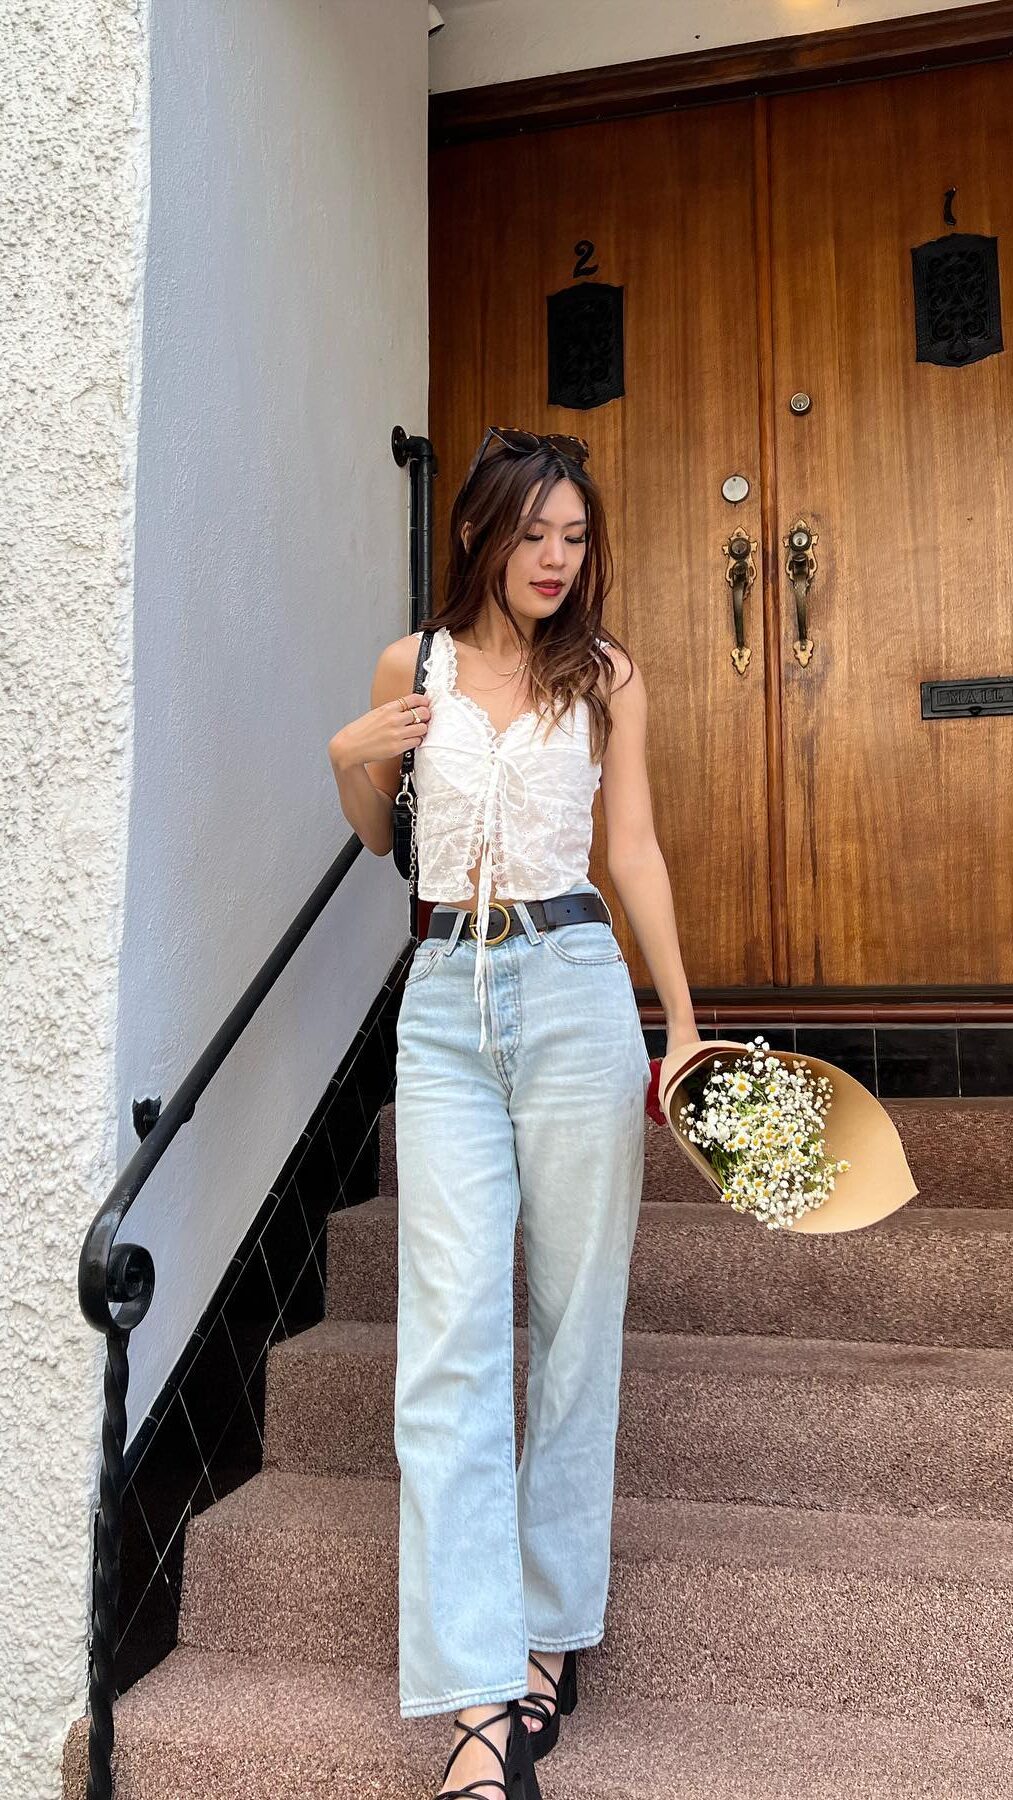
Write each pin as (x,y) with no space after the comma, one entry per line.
(521,1081)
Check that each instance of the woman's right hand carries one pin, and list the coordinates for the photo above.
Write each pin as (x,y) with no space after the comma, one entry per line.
(383,733)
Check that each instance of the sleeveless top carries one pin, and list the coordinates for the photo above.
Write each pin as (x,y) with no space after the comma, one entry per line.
(519,799)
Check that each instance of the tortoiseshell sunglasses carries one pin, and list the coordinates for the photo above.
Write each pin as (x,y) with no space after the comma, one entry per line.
(526,441)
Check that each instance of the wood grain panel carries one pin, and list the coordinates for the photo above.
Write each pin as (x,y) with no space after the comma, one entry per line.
(899,850)
(668,203)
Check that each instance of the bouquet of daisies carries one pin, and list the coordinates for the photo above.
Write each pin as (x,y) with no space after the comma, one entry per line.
(768,1128)
(762,1127)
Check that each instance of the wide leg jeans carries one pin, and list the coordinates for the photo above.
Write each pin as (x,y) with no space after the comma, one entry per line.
(546,1122)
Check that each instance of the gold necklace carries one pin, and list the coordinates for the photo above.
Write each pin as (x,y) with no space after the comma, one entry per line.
(506,678)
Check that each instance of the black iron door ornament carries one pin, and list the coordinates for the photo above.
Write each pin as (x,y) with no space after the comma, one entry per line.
(957,312)
(586,358)
(801,568)
(740,575)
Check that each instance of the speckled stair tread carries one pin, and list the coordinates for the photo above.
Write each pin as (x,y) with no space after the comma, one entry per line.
(960,1153)
(922,1276)
(212,1727)
(807,1608)
(781,1421)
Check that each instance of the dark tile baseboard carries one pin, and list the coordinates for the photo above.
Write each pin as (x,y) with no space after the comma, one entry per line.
(204,1435)
(893,1061)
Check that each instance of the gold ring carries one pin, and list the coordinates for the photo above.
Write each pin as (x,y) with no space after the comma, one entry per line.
(472,917)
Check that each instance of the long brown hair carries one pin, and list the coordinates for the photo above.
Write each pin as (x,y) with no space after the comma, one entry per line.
(565,661)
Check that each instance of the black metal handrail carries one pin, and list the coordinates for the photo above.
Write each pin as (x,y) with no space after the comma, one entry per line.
(122,1276)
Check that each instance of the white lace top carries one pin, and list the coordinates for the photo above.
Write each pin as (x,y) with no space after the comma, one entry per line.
(520,799)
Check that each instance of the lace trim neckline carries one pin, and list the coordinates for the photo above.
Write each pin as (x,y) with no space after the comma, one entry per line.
(473,706)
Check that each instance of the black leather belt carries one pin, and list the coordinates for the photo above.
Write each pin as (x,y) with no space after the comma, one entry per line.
(559,909)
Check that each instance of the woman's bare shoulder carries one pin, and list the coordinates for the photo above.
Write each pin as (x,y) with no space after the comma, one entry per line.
(402,649)
(395,668)
(400,657)
(623,664)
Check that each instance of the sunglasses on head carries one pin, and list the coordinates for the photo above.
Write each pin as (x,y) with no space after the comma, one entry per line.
(524,442)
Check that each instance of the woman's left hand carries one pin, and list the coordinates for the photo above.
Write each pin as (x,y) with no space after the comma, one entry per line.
(677,1035)
(674,1040)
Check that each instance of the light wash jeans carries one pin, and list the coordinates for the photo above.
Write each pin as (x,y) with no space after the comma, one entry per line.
(546,1120)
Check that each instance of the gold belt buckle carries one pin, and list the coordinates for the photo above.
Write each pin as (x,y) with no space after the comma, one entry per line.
(473,918)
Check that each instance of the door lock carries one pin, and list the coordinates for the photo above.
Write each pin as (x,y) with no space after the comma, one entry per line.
(801,568)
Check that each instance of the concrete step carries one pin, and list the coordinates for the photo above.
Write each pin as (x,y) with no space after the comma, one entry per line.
(960,1153)
(844,1612)
(775,1421)
(925,1276)
(218,1727)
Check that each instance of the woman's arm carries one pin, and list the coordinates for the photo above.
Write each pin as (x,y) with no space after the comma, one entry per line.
(365,755)
(636,865)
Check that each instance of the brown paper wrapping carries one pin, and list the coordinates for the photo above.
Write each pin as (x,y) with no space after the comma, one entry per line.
(857,1127)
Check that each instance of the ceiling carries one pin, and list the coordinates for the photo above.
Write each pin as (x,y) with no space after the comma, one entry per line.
(488,41)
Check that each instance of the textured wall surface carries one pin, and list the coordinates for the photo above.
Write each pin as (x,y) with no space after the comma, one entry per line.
(507,40)
(73,205)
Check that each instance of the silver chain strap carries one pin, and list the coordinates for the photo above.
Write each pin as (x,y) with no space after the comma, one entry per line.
(413,860)
(410,801)
(413,855)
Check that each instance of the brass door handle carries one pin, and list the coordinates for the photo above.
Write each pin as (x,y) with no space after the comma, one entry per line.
(740,574)
(801,568)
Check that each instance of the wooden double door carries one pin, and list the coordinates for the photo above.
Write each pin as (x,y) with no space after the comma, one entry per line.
(818,829)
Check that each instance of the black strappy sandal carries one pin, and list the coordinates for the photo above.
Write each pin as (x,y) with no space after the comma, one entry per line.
(519,1779)
(563,1699)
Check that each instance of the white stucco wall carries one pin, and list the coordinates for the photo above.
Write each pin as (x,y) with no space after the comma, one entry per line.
(73,172)
(486,41)
(171,679)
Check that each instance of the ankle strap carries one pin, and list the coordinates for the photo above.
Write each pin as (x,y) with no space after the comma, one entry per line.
(477,1731)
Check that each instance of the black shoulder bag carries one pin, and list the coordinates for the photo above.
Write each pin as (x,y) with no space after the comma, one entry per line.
(405,843)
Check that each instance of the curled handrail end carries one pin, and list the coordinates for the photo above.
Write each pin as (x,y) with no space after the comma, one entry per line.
(123,1276)
(108,1272)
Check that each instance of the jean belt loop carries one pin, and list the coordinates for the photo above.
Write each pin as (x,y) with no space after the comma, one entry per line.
(457,927)
(530,928)
(591,887)
(595,889)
